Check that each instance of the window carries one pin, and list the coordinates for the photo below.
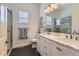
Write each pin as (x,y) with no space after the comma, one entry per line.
(58,22)
(23,17)
(48,20)
(2,10)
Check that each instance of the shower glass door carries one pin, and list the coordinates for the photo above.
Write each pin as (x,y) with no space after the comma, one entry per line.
(9,30)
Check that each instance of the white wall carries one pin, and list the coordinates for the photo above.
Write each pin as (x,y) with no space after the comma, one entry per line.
(66,11)
(75,22)
(42,14)
(3,34)
(33,10)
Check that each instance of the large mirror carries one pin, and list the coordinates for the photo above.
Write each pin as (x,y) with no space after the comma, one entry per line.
(63,25)
(60,19)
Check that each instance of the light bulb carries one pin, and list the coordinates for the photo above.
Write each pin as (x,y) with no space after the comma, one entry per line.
(48,8)
(55,6)
(47,11)
(52,5)
(51,9)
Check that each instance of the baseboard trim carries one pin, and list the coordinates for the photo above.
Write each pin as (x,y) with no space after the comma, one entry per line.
(18,46)
(9,52)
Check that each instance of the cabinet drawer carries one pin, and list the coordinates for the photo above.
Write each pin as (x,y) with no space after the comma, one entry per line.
(67,51)
(48,47)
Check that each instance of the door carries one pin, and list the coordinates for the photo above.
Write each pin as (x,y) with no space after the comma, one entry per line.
(9,30)
(3,30)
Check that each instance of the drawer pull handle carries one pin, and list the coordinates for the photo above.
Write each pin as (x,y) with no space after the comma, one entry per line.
(58,48)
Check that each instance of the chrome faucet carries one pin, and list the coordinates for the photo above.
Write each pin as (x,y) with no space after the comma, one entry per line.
(66,36)
(76,33)
(76,38)
(71,36)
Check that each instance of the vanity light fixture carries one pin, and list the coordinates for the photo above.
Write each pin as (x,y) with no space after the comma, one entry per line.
(51,7)
(47,11)
(48,8)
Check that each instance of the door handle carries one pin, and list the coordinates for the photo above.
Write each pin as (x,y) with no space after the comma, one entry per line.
(7,42)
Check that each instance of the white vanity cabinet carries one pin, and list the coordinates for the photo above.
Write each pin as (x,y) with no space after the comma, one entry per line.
(68,51)
(60,50)
(39,45)
(65,51)
(49,47)
(43,46)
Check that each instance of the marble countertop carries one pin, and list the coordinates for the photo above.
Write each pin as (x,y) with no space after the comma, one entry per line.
(62,40)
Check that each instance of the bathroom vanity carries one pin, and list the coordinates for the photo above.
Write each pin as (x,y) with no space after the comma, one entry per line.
(57,45)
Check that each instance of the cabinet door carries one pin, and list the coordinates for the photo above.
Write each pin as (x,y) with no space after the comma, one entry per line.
(55,51)
(66,51)
(49,47)
(38,44)
(43,46)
